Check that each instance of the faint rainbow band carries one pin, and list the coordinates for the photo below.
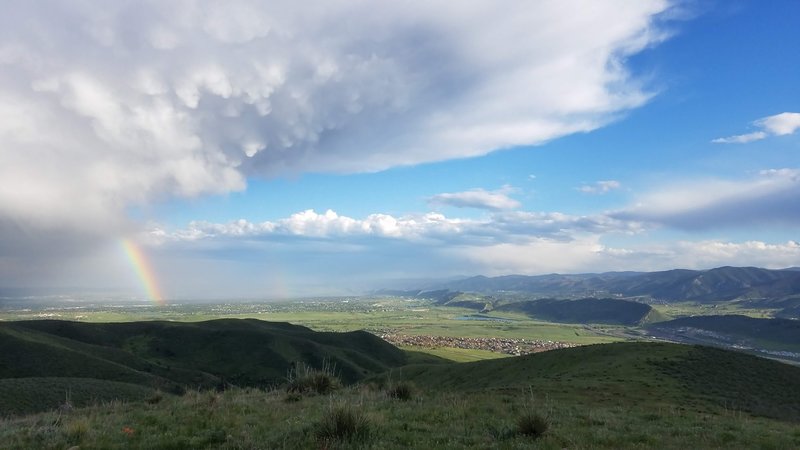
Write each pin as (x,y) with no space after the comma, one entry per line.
(144,270)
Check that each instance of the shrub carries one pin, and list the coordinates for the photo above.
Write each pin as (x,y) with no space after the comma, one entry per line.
(292,397)
(401,391)
(76,429)
(304,379)
(343,423)
(532,424)
(154,398)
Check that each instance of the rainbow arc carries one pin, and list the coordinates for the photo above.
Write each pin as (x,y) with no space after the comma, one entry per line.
(144,270)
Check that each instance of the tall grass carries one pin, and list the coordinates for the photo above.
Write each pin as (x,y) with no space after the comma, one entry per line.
(304,379)
(343,423)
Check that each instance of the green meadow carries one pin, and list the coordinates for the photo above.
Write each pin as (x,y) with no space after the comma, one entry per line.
(413,317)
(618,396)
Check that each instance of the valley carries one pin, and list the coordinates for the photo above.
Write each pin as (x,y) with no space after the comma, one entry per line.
(601,372)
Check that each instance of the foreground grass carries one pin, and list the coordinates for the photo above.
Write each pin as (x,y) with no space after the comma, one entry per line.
(249,418)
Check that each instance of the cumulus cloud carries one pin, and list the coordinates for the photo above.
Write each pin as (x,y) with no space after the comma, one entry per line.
(781,124)
(600,187)
(741,138)
(430,227)
(589,254)
(509,242)
(777,125)
(104,108)
(478,198)
(769,197)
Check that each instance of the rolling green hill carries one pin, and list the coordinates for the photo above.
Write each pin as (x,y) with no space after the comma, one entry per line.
(656,374)
(173,356)
(20,396)
(749,332)
(611,396)
(587,310)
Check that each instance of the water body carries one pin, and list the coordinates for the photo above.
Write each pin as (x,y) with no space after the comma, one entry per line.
(482,317)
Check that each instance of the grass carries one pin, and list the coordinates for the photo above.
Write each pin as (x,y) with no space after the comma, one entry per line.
(586,310)
(401,390)
(343,424)
(458,354)
(250,418)
(303,379)
(687,309)
(174,356)
(400,315)
(532,424)
(629,395)
(29,395)
(654,374)
(626,395)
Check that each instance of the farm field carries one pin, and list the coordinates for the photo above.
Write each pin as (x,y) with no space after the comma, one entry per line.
(378,315)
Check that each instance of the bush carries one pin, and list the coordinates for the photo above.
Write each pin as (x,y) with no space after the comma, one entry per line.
(532,424)
(344,423)
(303,379)
(401,391)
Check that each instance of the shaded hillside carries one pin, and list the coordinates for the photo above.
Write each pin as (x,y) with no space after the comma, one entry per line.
(546,285)
(743,331)
(784,307)
(173,356)
(723,283)
(20,396)
(630,372)
(587,310)
(720,284)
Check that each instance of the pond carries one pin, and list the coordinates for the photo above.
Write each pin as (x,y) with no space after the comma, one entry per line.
(482,317)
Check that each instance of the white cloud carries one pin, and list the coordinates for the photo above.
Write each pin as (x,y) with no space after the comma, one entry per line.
(781,124)
(478,198)
(741,138)
(600,187)
(770,197)
(777,125)
(331,247)
(588,254)
(430,227)
(104,108)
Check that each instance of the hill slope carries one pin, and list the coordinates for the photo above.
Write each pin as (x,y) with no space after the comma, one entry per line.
(586,310)
(633,372)
(612,396)
(743,331)
(172,356)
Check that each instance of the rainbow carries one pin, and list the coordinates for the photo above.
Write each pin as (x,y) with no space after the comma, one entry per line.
(144,271)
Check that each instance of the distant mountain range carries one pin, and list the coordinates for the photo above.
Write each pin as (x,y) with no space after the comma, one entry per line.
(705,286)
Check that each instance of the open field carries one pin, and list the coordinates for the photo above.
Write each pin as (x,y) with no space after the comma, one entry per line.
(377,315)
(684,309)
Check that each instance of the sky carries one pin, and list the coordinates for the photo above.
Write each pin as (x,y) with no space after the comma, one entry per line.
(248,149)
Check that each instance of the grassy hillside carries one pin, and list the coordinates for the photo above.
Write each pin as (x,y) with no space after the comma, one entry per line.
(29,395)
(173,356)
(658,374)
(781,334)
(615,396)
(587,310)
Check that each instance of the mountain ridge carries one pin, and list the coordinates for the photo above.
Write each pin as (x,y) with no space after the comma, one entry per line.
(675,285)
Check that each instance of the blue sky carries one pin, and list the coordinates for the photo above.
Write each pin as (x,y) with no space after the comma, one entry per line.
(266,152)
